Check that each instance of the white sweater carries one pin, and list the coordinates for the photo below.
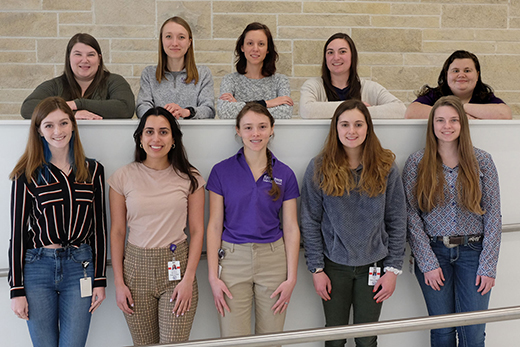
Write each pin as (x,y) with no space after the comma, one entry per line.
(314,104)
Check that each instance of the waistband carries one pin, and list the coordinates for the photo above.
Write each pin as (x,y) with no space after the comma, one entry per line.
(252,245)
(181,248)
(62,252)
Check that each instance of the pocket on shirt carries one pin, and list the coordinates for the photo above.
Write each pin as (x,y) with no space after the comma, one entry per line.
(84,193)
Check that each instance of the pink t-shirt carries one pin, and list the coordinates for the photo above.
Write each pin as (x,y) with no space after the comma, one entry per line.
(156,204)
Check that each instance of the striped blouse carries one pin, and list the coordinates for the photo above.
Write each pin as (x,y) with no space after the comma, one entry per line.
(55,209)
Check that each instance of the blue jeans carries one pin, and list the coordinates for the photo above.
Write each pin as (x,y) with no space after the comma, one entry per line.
(459,294)
(58,315)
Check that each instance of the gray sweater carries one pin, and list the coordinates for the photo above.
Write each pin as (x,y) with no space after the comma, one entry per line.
(200,96)
(246,89)
(353,229)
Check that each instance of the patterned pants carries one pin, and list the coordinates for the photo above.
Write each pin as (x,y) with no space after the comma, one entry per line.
(146,275)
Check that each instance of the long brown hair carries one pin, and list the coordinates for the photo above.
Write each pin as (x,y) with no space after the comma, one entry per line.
(192,74)
(430,178)
(275,191)
(269,64)
(34,158)
(71,88)
(332,170)
(353,82)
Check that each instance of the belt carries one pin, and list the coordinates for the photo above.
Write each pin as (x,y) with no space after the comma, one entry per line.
(454,241)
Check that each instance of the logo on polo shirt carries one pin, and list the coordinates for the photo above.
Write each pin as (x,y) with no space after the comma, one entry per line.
(278,181)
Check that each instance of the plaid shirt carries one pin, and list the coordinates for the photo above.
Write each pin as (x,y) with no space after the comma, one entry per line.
(452,219)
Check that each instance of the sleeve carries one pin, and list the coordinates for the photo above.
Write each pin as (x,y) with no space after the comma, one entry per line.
(227,109)
(21,206)
(311,215)
(206,99)
(383,103)
(214,184)
(283,88)
(417,237)
(492,218)
(428,99)
(291,191)
(98,239)
(395,219)
(117,182)
(312,105)
(145,99)
(44,90)
(120,102)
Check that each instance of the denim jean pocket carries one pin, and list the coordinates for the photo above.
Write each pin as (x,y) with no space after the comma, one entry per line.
(31,255)
(477,246)
(83,253)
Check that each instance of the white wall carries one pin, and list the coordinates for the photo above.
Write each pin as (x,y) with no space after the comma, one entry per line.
(295,143)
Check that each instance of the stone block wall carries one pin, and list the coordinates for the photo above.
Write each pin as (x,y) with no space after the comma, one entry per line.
(402,45)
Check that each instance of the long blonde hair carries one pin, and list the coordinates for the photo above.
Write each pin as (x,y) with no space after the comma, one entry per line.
(430,178)
(192,74)
(332,170)
(34,158)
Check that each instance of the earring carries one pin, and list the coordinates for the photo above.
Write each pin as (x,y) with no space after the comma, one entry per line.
(173,146)
(141,145)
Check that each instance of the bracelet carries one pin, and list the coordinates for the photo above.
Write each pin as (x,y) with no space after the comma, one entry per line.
(393,269)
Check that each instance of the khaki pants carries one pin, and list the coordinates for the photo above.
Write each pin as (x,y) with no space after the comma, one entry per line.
(252,272)
(146,275)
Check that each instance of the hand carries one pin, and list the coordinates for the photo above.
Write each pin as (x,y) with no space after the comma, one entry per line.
(322,285)
(218,287)
(281,100)
(124,299)
(285,290)
(172,107)
(20,307)
(182,295)
(228,97)
(387,284)
(84,114)
(98,295)
(486,283)
(367,104)
(181,113)
(434,279)
(72,105)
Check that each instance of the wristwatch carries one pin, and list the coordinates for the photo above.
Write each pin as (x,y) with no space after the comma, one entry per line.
(317,270)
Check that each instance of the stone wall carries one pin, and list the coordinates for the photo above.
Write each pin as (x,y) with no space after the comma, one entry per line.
(402,45)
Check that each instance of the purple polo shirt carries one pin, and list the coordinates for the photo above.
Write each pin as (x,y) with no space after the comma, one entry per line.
(430,99)
(250,214)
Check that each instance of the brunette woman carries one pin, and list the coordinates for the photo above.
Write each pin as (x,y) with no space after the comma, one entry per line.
(454,221)
(57,253)
(91,91)
(461,76)
(252,254)
(176,83)
(256,79)
(339,81)
(353,221)
(156,197)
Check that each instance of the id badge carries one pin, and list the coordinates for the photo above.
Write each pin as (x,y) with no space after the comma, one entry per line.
(374,273)
(219,270)
(174,270)
(85,285)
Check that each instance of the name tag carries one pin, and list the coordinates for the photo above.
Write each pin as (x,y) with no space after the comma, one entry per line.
(174,270)
(374,273)
(85,285)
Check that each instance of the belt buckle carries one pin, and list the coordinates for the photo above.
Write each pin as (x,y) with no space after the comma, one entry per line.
(446,241)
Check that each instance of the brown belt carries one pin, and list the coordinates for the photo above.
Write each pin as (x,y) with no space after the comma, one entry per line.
(454,241)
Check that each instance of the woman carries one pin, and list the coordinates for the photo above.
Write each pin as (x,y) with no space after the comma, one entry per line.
(339,81)
(176,83)
(460,76)
(252,255)
(154,197)
(256,78)
(454,221)
(57,222)
(353,221)
(91,91)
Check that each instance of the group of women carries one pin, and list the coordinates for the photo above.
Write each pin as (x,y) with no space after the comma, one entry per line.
(185,89)
(356,209)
